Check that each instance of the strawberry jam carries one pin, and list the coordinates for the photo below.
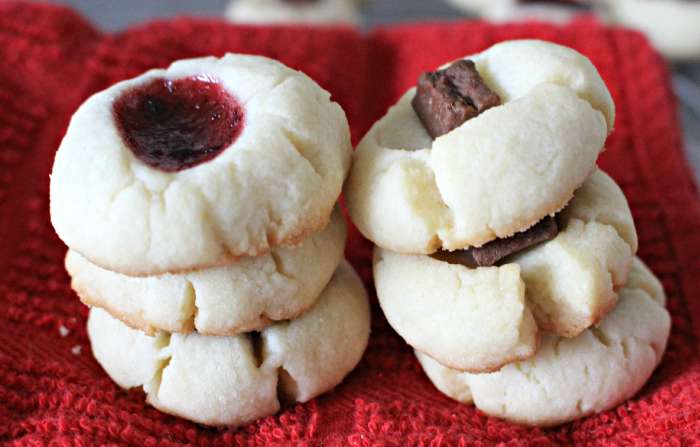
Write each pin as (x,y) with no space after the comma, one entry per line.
(173,125)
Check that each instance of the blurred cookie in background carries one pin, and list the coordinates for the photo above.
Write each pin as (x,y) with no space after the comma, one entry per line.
(294,11)
(673,26)
(550,10)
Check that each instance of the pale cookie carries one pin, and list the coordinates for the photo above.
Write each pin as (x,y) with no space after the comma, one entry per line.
(503,10)
(673,26)
(479,319)
(498,173)
(198,164)
(571,282)
(300,11)
(243,296)
(572,378)
(232,380)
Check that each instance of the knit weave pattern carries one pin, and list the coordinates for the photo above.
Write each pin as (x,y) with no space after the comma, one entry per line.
(52,392)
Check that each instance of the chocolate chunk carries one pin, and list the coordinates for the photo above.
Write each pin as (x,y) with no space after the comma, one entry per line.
(447,98)
(494,251)
(489,254)
(176,124)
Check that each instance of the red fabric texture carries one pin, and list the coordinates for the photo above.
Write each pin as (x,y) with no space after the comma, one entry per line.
(51,394)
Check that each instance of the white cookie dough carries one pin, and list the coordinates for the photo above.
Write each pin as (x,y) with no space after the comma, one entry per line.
(480,319)
(275,185)
(502,10)
(496,174)
(223,380)
(572,280)
(280,11)
(673,26)
(243,296)
(572,378)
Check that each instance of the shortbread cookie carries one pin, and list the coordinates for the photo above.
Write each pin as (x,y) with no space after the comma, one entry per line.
(198,164)
(242,296)
(497,174)
(293,11)
(479,319)
(673,26)
(571,378)
(572,280)
(550,10)
(232,380)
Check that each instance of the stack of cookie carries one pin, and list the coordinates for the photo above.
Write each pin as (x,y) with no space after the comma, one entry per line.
(504,256)
(197,203)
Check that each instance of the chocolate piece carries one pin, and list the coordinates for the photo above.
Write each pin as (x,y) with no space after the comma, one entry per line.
(447,98)
(489,254)
(494,251)
(175,125)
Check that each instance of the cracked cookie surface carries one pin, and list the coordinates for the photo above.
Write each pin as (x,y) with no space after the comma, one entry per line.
(276,184)
(217,380)
(482,318)
(498,173)
(571,378)
(246,295)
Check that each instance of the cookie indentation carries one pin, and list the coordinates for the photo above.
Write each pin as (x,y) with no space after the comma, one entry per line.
(173,125)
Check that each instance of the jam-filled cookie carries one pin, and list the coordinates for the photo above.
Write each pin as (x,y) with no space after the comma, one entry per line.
(551,10)
(243,296)
(571,378)
(199,164)
(232,380)
(673,26)
(479,318)
(293,11)
(482,149)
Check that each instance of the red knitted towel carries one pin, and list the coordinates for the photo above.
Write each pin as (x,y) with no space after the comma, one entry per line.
(51,389)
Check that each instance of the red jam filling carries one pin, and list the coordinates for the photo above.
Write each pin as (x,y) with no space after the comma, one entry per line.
(173,125)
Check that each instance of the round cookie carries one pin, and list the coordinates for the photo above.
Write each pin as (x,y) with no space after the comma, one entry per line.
(572,378)
(498,173)
(232,380)
(502,10)
(242,296)
(281,11)
(479,319)
(673,26)
(198,164)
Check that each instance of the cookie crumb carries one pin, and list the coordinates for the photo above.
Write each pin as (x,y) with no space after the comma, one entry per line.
(64,331)
(76,349)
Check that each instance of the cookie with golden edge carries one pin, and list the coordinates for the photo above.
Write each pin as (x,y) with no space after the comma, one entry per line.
(479,319)
(231,380)
(496,174)
(242,296)
(199,164)
(570,378)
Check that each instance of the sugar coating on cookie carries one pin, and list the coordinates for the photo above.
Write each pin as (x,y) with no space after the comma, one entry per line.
(572,378)
(498,173)
(671,25)
(287,11)
(482,318)
(218,380)
(161,194)
(243,296)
